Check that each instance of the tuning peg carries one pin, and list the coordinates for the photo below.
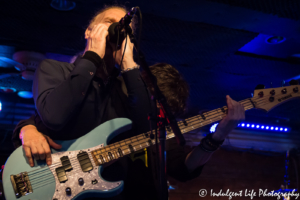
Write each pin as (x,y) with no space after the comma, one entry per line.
(260,86)
(294,82)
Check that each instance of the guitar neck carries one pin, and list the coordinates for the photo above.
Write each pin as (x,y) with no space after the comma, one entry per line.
(136,143)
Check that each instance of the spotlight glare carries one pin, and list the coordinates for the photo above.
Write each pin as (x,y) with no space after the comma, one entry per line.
(252,126)
(243,124)
(276,128)
(248,125)
(285,129)
(262,127)
(272,127)
(281,129)
(267,127)
(257,126)
(213,127)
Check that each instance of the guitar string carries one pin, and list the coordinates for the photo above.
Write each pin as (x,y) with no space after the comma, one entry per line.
(45,183)
(194,118)
(189,119)
(53,180)
(75,171)
(144,140)
(249,99)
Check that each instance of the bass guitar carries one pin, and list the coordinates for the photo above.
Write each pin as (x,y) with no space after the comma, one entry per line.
(76,168)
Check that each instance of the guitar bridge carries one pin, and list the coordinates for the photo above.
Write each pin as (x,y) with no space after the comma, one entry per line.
(21,184)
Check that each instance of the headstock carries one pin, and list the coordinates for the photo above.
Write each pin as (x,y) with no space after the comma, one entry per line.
(267,99)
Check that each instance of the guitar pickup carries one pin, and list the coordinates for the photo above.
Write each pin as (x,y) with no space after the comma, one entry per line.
(61,174)
(65,161)
(61,171)
(84,161)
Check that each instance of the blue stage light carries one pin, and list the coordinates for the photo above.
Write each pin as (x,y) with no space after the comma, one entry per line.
(25,94)
(0,106)
(255,126)
(213,127)
(63,5)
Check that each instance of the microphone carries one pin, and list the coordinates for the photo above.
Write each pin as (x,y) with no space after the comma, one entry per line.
(117,27)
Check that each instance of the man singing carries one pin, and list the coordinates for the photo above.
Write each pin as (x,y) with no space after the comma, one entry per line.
(73,99)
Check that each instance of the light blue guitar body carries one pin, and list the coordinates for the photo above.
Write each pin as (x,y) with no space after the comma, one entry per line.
(43,178)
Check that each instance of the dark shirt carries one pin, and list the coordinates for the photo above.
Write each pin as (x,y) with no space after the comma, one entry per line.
(71,101)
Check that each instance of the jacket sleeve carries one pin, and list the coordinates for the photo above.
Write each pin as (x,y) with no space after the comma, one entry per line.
(57,95)
(139,100)
(15,137)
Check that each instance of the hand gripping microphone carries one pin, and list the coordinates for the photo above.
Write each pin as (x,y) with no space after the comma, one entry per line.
(116,28)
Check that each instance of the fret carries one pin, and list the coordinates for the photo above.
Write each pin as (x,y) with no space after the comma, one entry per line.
(107,148)
(102,150)
(220,115)
(128,151)
(135,143)
(117,145)
(140,137)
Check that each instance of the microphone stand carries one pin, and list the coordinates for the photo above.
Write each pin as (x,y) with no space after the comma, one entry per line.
(166,118)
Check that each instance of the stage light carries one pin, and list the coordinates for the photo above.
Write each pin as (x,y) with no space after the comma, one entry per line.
(275,39)
(213,127)
(25,94)
(63,5)
(262,127)
(257,127)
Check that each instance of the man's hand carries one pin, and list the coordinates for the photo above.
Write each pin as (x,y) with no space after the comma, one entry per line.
(36,144)
(236,113)
(96,39)
(128,61)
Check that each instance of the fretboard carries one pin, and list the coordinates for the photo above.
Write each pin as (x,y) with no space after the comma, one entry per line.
(136,143)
